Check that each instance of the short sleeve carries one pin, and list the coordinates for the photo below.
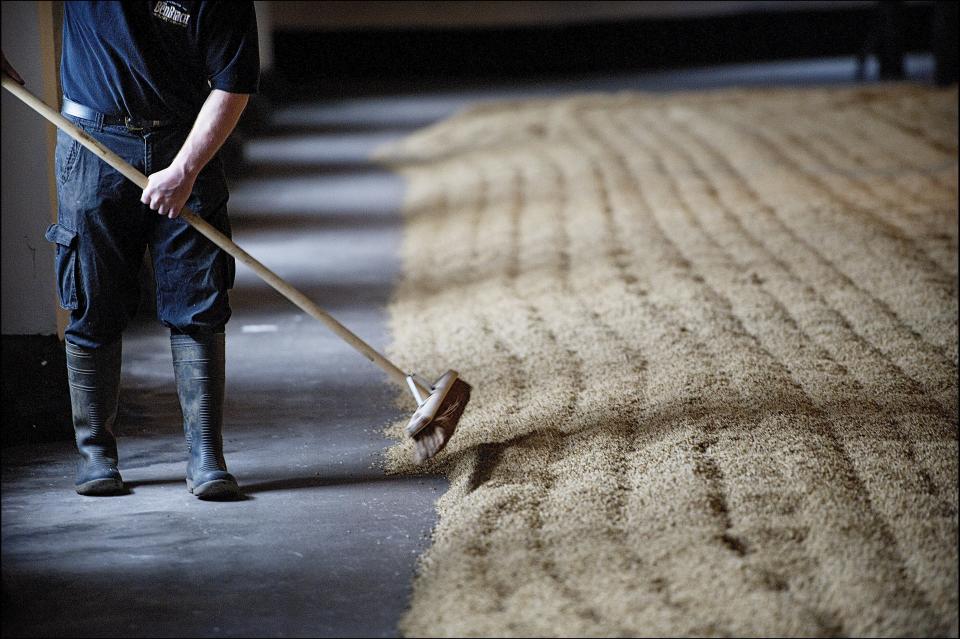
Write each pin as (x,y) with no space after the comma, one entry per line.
(228,43)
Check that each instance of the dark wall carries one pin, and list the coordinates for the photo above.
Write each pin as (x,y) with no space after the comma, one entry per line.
(36,398)
(310,58)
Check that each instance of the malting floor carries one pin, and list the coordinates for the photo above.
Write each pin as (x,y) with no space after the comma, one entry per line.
(325,543)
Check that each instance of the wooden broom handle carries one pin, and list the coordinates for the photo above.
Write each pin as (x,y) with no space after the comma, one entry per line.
(211,233)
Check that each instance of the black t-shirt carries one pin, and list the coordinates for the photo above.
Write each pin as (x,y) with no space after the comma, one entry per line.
(157,60)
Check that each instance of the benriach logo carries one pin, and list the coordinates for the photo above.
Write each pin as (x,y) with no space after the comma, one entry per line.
(172,12)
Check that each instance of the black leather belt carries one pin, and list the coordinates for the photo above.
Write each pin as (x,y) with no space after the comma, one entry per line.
(133,124)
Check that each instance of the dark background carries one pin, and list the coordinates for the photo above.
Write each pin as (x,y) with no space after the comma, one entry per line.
(327,59)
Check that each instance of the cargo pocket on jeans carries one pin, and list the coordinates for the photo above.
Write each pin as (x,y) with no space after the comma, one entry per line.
(67,265)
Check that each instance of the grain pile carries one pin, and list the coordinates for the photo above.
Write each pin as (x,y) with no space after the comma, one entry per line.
(713,341)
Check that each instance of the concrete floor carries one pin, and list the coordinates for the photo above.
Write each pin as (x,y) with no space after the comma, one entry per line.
(325,544)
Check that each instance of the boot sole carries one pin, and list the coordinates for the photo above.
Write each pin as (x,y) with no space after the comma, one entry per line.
(101,487)
(216,489)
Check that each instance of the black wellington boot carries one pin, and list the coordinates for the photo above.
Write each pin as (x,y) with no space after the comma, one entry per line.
(94,379)
(199,369)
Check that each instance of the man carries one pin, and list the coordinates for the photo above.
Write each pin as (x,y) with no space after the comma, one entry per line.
(162,84)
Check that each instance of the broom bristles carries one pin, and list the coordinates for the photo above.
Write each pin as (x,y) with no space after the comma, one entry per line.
(431,440)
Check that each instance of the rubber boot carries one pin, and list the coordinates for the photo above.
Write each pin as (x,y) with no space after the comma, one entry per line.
(199,369)
(94,379)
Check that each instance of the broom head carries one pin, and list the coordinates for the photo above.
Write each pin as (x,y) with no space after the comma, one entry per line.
(432,425)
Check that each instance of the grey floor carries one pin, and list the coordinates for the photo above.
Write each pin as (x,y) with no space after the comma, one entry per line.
(325,544)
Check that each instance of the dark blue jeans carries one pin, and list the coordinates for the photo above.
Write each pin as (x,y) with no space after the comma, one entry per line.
(103,230)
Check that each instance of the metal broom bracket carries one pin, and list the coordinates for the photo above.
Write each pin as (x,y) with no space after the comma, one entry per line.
(412,380)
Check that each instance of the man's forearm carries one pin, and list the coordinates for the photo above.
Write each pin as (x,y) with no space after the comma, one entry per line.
(168,190)
(214,123)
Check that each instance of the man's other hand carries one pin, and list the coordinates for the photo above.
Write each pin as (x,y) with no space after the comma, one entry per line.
(168,190)
(10,70)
